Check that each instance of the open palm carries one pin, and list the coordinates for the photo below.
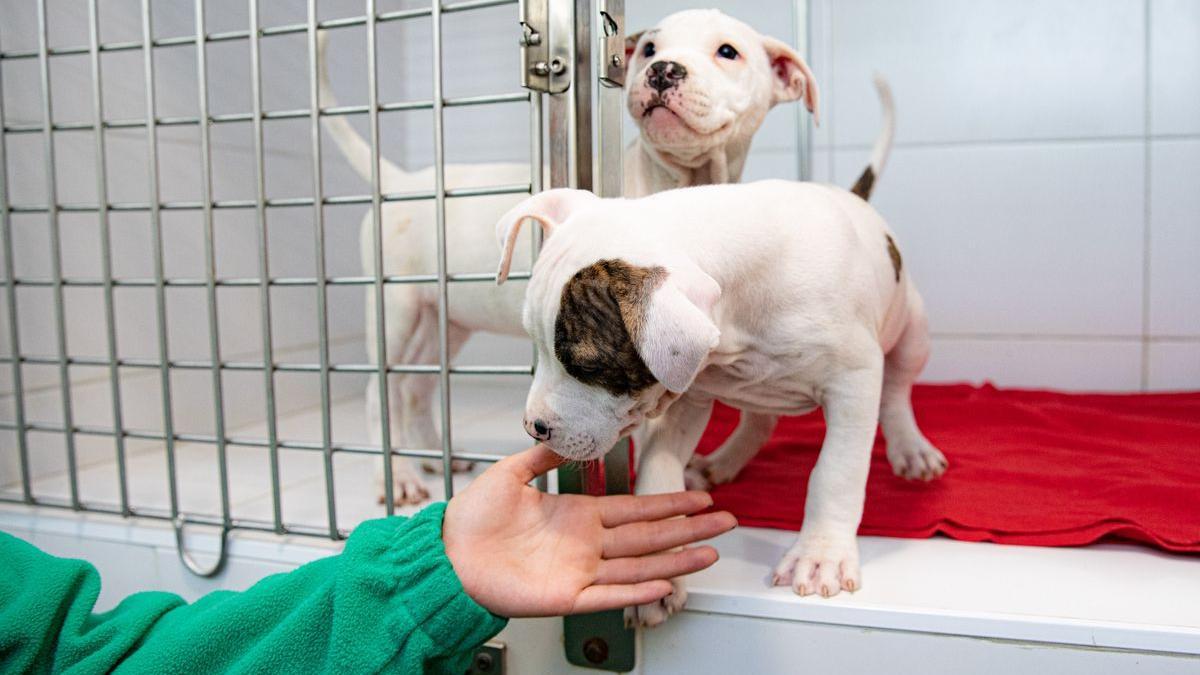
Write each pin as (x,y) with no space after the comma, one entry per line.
(521,552)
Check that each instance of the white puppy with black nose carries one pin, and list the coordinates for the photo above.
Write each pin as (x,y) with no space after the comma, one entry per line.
(774,297)
(699,85)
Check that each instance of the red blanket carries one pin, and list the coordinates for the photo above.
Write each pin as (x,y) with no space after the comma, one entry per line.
(1026,467)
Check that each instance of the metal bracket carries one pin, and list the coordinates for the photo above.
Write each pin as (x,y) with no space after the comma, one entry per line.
(600,640)
(612,43)
(545,45)
(489,660)
(190,562)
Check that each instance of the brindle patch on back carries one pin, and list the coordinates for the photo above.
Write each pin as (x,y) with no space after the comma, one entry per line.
(599,322)
(894,254)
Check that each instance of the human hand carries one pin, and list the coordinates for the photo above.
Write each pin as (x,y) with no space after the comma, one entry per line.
(522,552)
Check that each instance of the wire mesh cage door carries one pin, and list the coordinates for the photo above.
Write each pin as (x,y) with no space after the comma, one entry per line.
(53,354)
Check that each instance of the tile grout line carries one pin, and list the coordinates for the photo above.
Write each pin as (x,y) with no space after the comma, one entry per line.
(1147,209)
(985,143)
(827,46)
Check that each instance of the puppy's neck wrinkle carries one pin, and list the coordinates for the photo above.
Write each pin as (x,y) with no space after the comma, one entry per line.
(720,165)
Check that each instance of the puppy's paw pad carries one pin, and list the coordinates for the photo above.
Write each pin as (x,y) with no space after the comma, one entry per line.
(822,568)
(655,613)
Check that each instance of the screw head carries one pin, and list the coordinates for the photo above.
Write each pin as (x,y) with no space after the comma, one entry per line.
(595,650)
(540,68)
(617,61)
(484,662)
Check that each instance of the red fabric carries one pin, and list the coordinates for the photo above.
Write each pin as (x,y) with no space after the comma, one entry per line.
(1026,467)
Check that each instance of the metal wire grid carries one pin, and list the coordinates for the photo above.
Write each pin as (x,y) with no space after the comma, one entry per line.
(210,282)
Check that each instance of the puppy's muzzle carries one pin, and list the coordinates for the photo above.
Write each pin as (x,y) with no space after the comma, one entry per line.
(664,75)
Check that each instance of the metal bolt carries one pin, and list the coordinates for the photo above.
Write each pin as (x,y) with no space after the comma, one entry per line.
(617,61)
(595,650)
(557,66)
(540,68)
(484,662)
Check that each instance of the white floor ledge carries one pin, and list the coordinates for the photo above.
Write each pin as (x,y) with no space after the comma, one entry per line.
(1110,596)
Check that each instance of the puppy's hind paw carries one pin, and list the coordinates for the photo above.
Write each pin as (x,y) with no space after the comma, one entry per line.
(406,489)
(916,460)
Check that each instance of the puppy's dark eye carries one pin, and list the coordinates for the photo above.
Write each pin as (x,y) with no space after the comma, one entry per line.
(726,51)
(648,50)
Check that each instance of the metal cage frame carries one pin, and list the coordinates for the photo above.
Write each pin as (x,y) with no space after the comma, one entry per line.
(584,130)
(319,282)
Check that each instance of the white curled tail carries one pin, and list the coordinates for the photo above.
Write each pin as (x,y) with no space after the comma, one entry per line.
(353,146)
(883,143)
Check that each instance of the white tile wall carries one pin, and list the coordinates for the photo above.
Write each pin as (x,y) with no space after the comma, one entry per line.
(990,70)
(989,232)
(1175,66)
(1083,365)
(1175,237)
(1174,366)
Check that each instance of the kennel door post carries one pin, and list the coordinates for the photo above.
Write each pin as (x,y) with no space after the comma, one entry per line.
(573,50)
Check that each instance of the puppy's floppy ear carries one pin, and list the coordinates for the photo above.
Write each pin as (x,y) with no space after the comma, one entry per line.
(677,331)
(793,78)
(549,209)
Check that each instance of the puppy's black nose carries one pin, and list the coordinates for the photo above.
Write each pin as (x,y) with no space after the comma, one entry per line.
(538,429)
(665,74)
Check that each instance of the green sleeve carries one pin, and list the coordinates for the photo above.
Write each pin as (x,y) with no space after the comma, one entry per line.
(389,602)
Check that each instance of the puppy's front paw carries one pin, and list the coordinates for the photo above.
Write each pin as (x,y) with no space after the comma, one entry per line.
(654,613)
(819,564)
(916,459)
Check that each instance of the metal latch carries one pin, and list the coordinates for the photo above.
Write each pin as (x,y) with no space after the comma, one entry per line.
(546,45)
(612,43)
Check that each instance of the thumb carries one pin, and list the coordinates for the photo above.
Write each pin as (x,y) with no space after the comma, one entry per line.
(531,463)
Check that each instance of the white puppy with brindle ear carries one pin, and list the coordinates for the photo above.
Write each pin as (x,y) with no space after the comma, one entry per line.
(774,297)
(698,86)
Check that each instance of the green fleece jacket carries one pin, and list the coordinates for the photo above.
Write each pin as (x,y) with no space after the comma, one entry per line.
(389,602)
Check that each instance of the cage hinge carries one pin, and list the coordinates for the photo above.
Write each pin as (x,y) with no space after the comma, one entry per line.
(612,43)
(546,45)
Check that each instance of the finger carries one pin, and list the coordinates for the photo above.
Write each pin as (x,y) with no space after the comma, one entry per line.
(659,566)
(602,597)
(531,463)
(620,509)
(641,538)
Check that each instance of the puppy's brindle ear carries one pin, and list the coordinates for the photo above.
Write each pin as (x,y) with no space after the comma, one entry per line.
(622,327)
(549,209)
(793,78)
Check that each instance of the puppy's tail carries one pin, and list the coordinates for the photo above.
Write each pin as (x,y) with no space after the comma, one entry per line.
(883,144)
(355,148)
